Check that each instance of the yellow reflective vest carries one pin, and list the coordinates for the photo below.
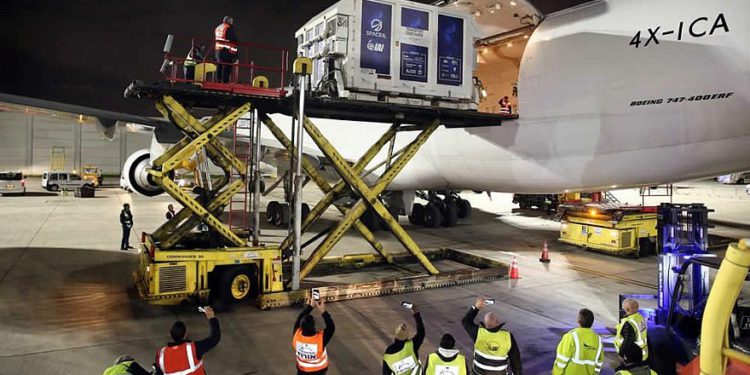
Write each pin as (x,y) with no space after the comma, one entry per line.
(491,351)
(641,335)
(580,352)
(405,361)
(436,365)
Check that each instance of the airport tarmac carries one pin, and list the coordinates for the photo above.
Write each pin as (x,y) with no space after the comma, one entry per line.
(67,305)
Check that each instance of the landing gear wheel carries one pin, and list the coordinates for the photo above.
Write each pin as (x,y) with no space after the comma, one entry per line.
(305,211)
(236,285)
(271,209)
(464,208)
(450,213)
(371,220)
(417,214)
(383,224)
(432,216)
(282,215)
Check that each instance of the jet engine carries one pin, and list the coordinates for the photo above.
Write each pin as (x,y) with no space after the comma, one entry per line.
(135,173)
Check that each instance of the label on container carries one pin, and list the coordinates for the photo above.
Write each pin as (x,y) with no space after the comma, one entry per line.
(450,50)
(413,63)
(375,47)
(415,40)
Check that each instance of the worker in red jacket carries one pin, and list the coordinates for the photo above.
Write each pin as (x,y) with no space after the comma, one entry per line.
(225,48)
(183,356)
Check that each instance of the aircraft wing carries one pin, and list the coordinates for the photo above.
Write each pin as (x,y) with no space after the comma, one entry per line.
(105,120)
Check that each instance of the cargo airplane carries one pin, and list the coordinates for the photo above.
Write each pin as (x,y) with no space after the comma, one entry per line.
(611,94)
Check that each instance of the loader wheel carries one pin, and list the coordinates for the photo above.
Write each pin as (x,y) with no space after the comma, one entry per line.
(237,284)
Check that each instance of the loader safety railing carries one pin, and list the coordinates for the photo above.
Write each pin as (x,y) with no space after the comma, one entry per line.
(259,69)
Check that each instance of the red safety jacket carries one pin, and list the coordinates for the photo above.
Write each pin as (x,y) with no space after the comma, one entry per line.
(310,351)
(180,360)
(220,34)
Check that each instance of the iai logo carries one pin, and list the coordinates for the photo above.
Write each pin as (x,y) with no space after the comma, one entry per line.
(376,24)
(376,47)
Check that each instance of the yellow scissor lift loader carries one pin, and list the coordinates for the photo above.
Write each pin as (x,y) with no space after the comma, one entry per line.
(609,227)
(170,270)
(173,269)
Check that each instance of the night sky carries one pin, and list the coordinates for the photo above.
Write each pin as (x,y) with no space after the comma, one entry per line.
(86,52)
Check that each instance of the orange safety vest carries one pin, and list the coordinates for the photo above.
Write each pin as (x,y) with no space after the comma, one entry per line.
(180,360)
(310,351)
(222,42)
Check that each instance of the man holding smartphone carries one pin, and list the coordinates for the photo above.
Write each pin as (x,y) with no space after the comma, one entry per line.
(309,344)
(402,357)
(495,349)
(183,355)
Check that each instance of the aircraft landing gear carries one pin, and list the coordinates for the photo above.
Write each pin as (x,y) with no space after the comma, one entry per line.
(439,211)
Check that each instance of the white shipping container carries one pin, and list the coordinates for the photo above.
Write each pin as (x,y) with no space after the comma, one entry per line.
(392,48)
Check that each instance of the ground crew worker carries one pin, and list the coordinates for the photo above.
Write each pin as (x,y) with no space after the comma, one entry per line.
(505,107)
(580,351)
(225,48)
(126,221)
(494,348)
(632,328)
(631,361)
(183,356)
(402,356)
(447,360)
(310,344)
(194,57)
(126,365)
(170,212)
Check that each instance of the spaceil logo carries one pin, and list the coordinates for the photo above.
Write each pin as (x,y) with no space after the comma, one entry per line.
(376,28)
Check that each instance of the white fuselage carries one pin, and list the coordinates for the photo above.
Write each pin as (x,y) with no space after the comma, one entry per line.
(601,106)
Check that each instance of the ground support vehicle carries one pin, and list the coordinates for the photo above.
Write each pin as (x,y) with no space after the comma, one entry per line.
(612,228)
(12,183)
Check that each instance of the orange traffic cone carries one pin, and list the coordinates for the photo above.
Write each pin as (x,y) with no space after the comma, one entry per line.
(514,269)
(545,254)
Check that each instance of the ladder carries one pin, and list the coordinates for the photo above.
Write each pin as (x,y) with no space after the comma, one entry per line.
(611,197)
(57,158)
(240,204)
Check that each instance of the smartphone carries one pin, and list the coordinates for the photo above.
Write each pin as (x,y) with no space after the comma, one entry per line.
(201,309)
(407,305)
(316,295)
(489,301)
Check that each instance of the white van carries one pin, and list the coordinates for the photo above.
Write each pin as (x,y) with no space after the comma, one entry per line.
(55,181)
(12,183)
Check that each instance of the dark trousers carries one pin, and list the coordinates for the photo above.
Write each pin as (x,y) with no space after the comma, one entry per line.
(125,243)
(224,71)
(190,72)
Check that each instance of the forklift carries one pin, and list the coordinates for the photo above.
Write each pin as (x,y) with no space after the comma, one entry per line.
(674,326)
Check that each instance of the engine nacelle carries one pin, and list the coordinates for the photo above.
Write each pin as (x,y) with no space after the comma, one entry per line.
(135,173)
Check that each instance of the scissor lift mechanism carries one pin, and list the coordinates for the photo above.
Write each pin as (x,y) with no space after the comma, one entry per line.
(205,135)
